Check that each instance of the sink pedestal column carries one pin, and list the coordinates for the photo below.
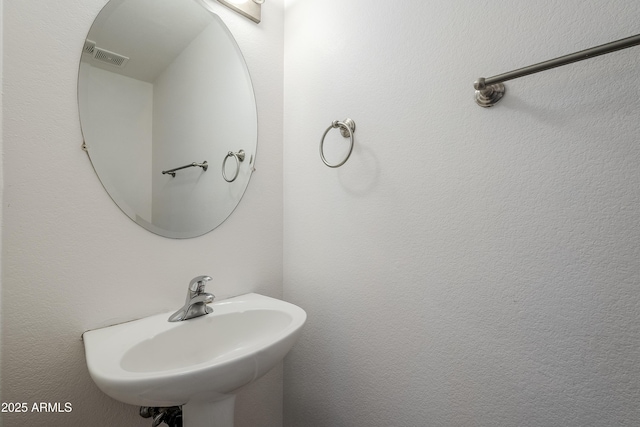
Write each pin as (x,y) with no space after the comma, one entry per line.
(209,414)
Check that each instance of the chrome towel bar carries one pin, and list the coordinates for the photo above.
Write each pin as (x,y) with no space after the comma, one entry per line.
(172,172)
(490,90)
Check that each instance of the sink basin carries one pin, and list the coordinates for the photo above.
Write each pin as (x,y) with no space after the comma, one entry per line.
(154,362)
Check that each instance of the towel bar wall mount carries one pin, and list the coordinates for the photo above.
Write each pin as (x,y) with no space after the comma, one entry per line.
(491,90)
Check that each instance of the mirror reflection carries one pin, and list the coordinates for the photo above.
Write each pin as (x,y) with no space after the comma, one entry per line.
(163,87)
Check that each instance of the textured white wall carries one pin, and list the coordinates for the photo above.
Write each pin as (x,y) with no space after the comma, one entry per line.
(72,261)
(466,267)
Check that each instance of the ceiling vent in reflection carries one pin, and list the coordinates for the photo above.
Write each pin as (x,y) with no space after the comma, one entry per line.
(111,58)
(103,55)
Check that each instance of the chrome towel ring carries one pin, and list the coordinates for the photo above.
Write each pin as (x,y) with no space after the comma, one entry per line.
(239,156)
(347,128)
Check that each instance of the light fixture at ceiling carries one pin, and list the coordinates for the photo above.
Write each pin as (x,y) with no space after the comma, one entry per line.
(248,8)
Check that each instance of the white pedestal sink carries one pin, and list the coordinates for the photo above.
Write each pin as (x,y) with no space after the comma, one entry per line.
(196,363)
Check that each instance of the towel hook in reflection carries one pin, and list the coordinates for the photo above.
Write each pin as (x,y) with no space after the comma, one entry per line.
(239,159)
(347,128)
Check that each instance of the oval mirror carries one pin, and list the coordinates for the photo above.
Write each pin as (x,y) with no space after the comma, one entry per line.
(168,114)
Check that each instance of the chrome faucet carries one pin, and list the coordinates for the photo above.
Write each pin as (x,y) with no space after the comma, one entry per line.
(196,302)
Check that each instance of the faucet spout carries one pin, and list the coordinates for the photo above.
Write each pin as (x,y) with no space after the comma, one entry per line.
(196,302)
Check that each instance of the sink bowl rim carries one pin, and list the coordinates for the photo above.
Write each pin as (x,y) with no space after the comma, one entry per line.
(106,347)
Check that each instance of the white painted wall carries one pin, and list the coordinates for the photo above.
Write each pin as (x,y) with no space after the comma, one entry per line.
(466,267)
(72,261)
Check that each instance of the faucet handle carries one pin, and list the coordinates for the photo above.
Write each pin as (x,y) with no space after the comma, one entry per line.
(197,284)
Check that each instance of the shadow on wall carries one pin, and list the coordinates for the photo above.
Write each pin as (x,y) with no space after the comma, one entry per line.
(361,173)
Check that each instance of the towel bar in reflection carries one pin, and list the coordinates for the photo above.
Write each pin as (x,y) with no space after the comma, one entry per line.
(204,165)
